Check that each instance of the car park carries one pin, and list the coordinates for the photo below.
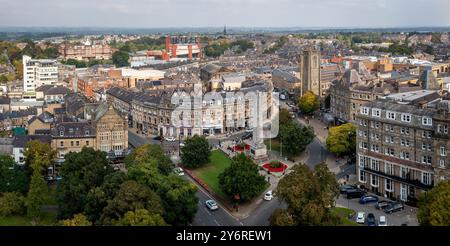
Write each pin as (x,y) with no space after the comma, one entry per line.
(371,221)
(360,217)
(268,196)
(382,204)
(211,205)
(394,207)
(382,221)
(368,199)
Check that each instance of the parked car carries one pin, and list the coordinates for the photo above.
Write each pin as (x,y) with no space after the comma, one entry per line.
(344,188)
(170,139)
(368,199)
(383,204)
(394,207)
(360,217)
(179,171)
(382,221)
(268,196)
(355,193)
(249,130)
(158,138)
(211,205)
(371,221)
(181,144)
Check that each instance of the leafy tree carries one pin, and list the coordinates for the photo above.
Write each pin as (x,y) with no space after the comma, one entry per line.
(310,196)
(281,217)
(295,138)
(179,200)
(38,155)
(433,206)
(36,195)
(3,78)
(308,103)
(97,198)
(120,58)
(285,117)
(141,217)
(12,177)
(77,220)
(196,152)
(76,63)
(130,197)
(341,139)
(18,66)
(178,196)
(12,203)
(80,172)
(150,151)
(241,180)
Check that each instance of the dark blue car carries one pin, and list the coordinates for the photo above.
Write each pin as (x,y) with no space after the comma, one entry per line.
(368,199)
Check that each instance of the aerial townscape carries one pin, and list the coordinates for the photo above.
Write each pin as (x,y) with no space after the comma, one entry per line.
(225,126)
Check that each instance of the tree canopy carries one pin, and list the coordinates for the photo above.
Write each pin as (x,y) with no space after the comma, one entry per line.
(242,181)
(434,207)
(310,196)
(341,140)
(295,138)
(12,176)
(308,103)
(120,58)
(80,172)
(195,152)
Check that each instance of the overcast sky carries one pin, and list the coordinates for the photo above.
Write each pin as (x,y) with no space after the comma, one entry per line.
(213,13)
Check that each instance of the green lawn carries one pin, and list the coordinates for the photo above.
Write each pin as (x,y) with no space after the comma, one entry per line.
(48,219)
(275,144)
(210,173)
(344,214)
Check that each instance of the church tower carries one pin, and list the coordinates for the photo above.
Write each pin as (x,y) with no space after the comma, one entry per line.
(310,71)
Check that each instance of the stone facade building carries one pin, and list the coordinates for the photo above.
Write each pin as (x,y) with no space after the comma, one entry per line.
(111,130)
(399,153)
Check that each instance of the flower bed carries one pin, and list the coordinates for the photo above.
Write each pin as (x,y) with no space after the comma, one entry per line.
(241,148)
(280,169)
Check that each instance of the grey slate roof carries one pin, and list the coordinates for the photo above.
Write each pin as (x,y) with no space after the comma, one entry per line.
(73,130)
(21,141)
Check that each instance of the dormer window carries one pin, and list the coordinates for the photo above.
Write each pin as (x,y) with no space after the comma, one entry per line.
(61,133)
(86,132)
(406,117)
(376,112)
(390,115)
(427,121)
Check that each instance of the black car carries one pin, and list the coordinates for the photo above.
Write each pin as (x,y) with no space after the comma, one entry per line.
(355,193)
(394,207)
(371,221)
(383,204)
(344,188)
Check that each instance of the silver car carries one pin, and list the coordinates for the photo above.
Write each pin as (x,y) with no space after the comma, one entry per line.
(211,205)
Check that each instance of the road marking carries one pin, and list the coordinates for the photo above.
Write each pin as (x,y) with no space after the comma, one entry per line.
(216,222)
(208,195)
(207,211)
